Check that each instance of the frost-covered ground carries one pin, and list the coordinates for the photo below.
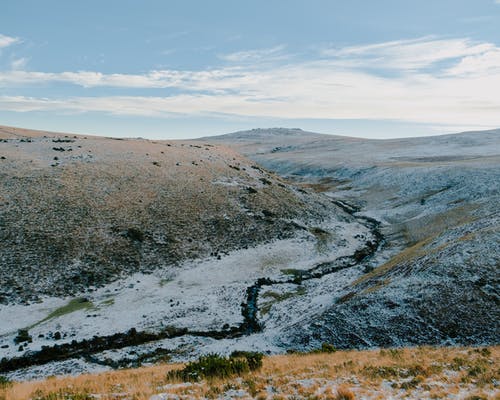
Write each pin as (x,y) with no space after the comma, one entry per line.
(438,202)
(204,295)
(429,277)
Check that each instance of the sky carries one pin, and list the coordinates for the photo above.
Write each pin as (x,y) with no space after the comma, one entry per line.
(184,69)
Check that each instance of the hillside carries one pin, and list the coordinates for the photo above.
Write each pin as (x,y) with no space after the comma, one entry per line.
(122,252)
(77,212)
(436,279)
(115,251)
(415,373)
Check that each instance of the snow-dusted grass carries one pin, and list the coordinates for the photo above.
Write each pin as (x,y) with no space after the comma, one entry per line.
(199,295)
(414,373)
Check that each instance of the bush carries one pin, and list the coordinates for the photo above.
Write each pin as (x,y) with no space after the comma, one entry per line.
(328,348)
(63,394)
(325,348)
(215,366)
(22,336)
(4,382)
(253,358)
(343,393)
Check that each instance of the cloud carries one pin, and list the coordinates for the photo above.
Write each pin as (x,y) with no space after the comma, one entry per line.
(334,86)
(480,64)
(291,93)
(187,80)
(273,53)
(6,41)
(19,64)
(408,54)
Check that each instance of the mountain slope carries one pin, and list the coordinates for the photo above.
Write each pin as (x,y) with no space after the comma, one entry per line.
(77,212)
(121,252)
(115,252)
(437,200)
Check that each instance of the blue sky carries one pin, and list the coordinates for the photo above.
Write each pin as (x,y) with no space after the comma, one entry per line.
(165,69)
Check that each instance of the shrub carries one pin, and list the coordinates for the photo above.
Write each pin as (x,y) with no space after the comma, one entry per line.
(22,336)
(328,348)
(135,234)
(215,366)
(344,393)
(63,394)
(253,358)
(325,348)
(4,382)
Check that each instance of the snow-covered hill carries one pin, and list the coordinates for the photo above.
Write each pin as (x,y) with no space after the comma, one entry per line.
(108,244)
(119,252)
(438,202)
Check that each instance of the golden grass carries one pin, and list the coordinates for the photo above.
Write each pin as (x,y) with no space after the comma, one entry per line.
(341,375)
(418,229)
(410,253)
(428,230)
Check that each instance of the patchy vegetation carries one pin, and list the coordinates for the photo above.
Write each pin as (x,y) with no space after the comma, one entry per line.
(104,209)
(411,373)
(436,278)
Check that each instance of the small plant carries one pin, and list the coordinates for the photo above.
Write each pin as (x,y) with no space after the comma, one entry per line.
(325,348)
(252,387)
(384,372)
(328,348)
(395,353)
(135,234)
(413,383)
(63,394)
(253,358)
(343,393)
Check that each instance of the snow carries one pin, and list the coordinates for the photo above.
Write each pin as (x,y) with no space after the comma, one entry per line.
(200,295)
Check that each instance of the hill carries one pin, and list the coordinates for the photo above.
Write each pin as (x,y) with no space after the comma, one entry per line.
(436,278)
(122,252)
(77,212)
(128,247)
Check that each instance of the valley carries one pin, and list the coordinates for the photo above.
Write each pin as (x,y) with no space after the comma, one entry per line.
(189,248)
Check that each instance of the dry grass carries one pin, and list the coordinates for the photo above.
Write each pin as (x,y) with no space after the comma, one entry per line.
(73,200)
(410,253)
(419,373)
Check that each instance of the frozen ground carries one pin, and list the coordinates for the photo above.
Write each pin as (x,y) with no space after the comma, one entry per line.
(428,274)
(438,203)
(203,295)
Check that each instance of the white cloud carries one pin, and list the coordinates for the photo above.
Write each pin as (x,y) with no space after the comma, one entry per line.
(480,64)
(189,80)
(19,64)
(292,93)
(6,41)
(408,54)
(320,89)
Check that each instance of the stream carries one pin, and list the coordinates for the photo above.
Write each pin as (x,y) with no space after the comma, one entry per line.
(249,310)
